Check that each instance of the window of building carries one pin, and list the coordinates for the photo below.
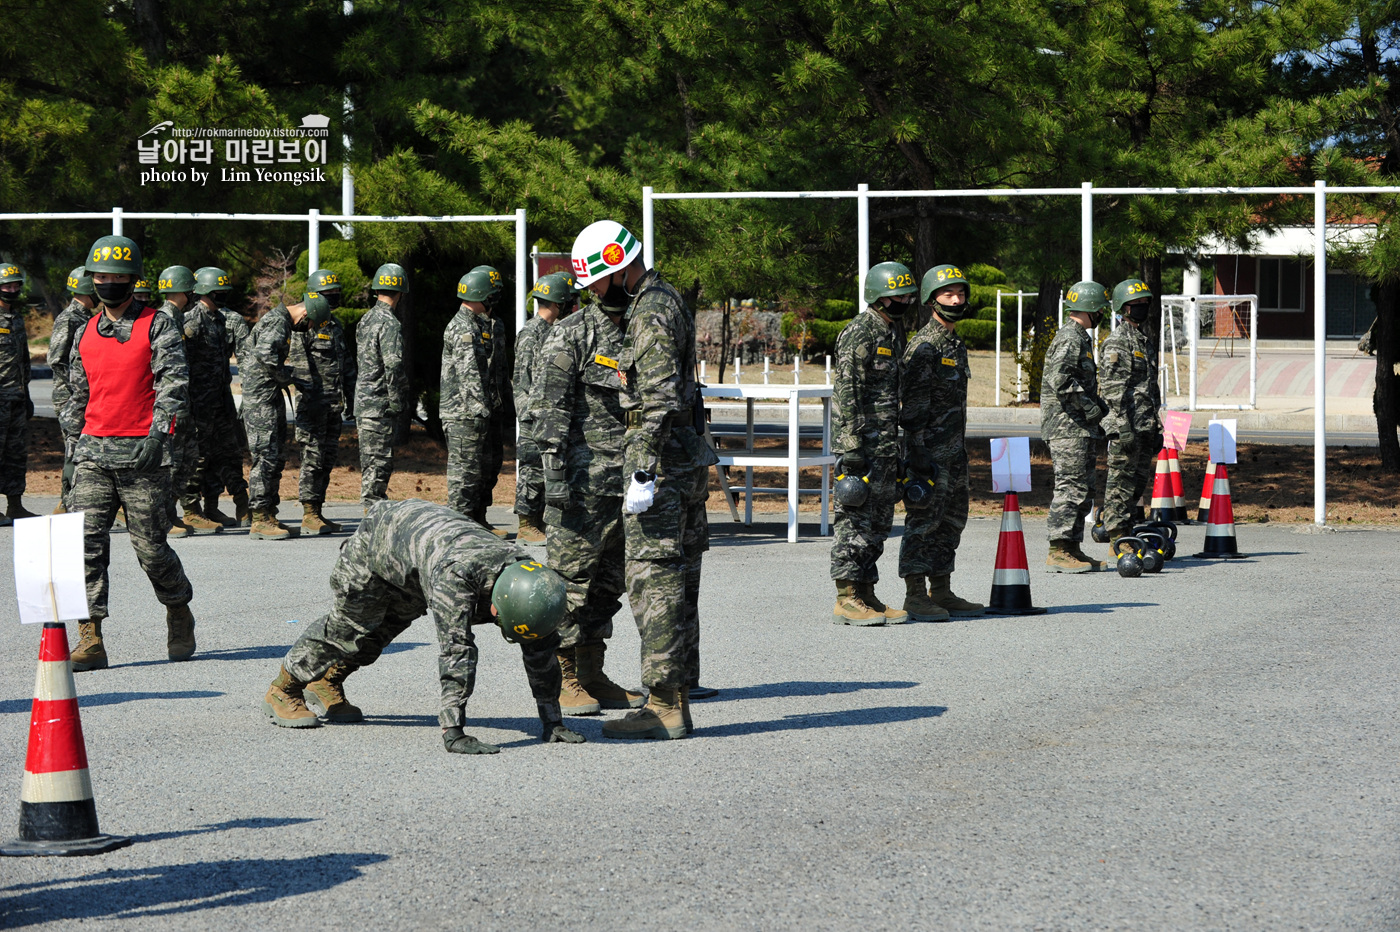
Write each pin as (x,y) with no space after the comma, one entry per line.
(1280,284)
(1350,310)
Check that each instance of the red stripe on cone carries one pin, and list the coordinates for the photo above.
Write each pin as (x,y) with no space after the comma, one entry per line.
(1207,490)
(55,737)
(1220,528)
(1163,505)
(53,645)
(1178,489)
(1011,579)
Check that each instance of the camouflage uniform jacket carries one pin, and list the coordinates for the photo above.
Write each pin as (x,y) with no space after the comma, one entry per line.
(66,327)
(528,343)
(172,387)
(933,402)
(1070,405)
(576,404)
(263,365)
(323,359)
(236,334)
(500,366)
(865,395)
(1128,381)
(206,352)
(381,381)
(468,388)
(14,356)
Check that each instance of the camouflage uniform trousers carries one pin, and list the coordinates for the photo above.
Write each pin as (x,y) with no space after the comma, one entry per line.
(184,458)
(529,476)
(367,613)
(99,492)
(859,534)
(1131,463)
(695,541)
(659,576)
(468,460)
(318,432)
(376,457)
(1074,461)
(931,535)
(220,456)
(14,446)
(65,485)
(496,432)
(266,424)
(585,546)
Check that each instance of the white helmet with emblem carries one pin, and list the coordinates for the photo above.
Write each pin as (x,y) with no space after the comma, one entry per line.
(601,249)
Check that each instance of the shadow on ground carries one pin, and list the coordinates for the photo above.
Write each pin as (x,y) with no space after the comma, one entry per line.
(881,715)
(805,688)
(88,702)
(221,827)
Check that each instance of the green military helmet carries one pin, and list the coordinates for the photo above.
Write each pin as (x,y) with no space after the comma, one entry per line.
(390,277)
(175,280)
(9,272)
(318,309)
(889,278)
(323,280)
(1129,289)
(80,282)
(941,276)
(211,279)
(555,288)
(115,255)
(496,281)
(477,285)
(1086,298)
(142,287)
(530,601)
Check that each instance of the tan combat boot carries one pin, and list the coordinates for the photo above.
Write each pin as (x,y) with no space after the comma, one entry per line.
(1095,565)
(285,705)
(197,522)
(59,509)
(941,591)
(91,653)
(1063,560)
(592,678)
(16,509)
(660,718)
(327,695)
(334,527)
(212,512)
(264,526)
(917,603)
(241,514)
(312,524)
(179,626)
(893,616)
(573,698)
(851,610)
(178,530)
(685,710)
(531,529)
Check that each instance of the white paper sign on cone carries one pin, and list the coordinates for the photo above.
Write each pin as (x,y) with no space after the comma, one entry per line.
(1011,464)
(49,581)
(1222,441)
(1176,427)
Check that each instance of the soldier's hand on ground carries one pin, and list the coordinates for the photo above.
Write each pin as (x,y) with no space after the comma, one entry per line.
(853,463)
(558,734)
(458,743)
(147,454)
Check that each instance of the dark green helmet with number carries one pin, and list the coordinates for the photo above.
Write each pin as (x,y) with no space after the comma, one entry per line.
(323,280)
(175,280)
(9,272)
(477,285)
(1130,289)
(941,276)
(318,309)
(115,255)
(555,288)
(80,282)
(889,279)
(496,280)
(390,277)
(142,287)
(1086,298)
(530,601)
(211,279)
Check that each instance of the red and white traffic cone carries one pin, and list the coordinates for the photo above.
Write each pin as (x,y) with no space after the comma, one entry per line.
(1207,490)
(1011,580)
(1178,487)
(57,815)
(1163,504)
(1220,528)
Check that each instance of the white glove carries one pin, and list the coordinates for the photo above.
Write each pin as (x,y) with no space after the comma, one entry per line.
(641,491)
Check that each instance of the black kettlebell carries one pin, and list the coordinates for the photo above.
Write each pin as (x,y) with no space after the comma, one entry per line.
(1100,533)
(1153,557)
(1129,562)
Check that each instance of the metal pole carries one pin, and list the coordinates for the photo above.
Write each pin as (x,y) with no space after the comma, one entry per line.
(862,240)
(1193,326)
(996,392)
(1319,353)
(648,231)
(313,240)
(116,221)
(1254,353)
(1086,232)
(1020,329)
(521,257)
(347,180)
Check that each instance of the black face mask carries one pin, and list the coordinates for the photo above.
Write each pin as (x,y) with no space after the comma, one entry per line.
(332,298)
(1138,313)
(10,297)
(114,294)
(616,296)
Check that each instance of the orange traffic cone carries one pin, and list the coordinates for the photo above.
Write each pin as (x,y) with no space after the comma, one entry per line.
(1163,505)
(1220,527)
(1011,580)
(57,815)
(1203,514)
(1178,487)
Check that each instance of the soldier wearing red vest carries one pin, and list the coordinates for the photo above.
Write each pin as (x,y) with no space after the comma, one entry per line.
(130,396)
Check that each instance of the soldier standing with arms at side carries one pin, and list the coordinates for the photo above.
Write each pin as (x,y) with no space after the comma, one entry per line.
(15,406)
(228,473)
(577,418)
(469,397)
(555,298)
(933,413)
(1070,412)
(382,393)
(215,419)
(865,432)
(325,362)
(1128,381)
(130,394)
(69,322)
(662,453)
(497,429)
(176,285)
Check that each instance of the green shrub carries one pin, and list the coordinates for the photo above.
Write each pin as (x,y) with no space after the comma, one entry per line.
(978,334)
(823,332)
(834,309)
(980,273)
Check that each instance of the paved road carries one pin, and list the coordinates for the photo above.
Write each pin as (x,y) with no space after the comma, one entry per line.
(1210,748)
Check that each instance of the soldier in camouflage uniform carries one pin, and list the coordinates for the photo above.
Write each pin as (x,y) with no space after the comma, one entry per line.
(69,322)
(865,432)
(933,414)
(220,464)
(325,362)
(406,559)
(382,393)
(1128,382)
(15,407)
(576,416)
(497,428)
(1070,412)
(470,396)
(266,376)
(555,297)
(130,395)
(226,471)
(662,452)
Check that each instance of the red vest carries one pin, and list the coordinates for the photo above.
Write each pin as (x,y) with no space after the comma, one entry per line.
(121,385)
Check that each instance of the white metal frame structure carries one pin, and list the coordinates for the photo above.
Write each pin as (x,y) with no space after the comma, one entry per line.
(1191,304)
